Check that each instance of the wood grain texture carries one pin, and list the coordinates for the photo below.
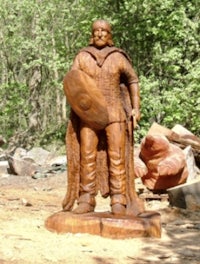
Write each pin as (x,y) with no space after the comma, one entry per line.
(106,224)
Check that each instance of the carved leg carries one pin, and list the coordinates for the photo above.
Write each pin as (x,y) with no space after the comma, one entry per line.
(116,152)
(89,141)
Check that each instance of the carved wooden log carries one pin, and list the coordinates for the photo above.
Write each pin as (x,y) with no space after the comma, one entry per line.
(165,163)
(183,140)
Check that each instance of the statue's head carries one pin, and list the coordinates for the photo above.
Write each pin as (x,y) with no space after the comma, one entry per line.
(101,34)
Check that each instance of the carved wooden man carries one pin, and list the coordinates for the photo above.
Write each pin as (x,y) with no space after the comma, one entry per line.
(102,89)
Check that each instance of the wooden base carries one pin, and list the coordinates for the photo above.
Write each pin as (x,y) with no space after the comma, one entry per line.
(106,224)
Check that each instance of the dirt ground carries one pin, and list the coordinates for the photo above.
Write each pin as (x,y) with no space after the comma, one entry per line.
(25,203)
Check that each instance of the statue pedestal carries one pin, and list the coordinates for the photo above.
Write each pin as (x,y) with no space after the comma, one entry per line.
(106,224)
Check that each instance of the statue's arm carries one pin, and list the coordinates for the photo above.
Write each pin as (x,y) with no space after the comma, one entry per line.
(135,99)
(133,86)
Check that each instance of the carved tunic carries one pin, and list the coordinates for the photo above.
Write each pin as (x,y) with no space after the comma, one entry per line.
(108,67)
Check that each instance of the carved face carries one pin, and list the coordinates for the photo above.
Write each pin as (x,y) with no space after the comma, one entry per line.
(101,33)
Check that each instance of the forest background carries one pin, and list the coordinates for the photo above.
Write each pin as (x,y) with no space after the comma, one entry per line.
(39,39)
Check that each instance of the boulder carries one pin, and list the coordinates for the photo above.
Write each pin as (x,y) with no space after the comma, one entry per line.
(4,167)
(40,156)
(22,167)
(193,170)
(57,161)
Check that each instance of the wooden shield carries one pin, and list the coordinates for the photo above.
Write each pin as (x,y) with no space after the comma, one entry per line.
(86,99)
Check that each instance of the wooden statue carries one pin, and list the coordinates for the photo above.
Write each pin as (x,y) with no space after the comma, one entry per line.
(102,89)
(165,163)
(99,137)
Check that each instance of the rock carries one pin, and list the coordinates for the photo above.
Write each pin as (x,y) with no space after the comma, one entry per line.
(22,167)
(20,153)
(40,156)
(25,202)
(4,167)
(37,163)
(60,160)
(2,140)
(3,156)
(186,196)
(191,166)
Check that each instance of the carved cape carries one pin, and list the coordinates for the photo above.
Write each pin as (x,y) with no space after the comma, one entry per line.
(134,205)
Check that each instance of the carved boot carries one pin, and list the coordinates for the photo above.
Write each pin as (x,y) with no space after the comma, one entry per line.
(118,204)
(118,209)
(86,204)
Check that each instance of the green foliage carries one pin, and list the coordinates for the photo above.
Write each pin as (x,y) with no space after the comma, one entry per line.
(15,109)
(39,40)
(165,50)
(53,134)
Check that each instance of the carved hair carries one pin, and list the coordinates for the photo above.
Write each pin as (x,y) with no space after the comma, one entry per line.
(106,25)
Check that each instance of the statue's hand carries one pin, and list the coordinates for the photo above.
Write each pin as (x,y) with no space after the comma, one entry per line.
(136,117)
(136,114)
